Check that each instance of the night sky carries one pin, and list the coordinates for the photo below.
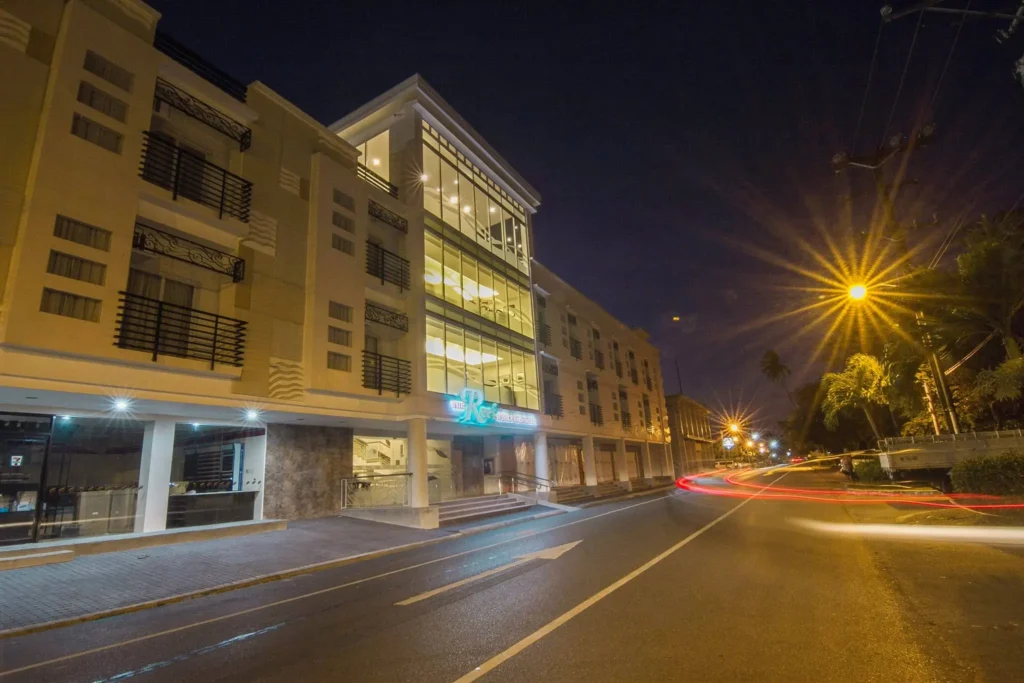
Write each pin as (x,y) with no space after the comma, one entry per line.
(666,139)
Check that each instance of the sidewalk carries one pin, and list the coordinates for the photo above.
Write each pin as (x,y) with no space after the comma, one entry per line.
(98,583)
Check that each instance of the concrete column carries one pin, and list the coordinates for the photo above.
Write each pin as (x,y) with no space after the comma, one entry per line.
(540,456)
(253,470)
(419,496)
(154,476)
(621,470)
(645,457)
(589,461)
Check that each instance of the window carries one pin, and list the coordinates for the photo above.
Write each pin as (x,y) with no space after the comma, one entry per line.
(108,71)
(96,134)
(343,222)
(341,244)
(340,312)
(339,361)
(70,305)
(432,277)
(459,358)
(66,265)
(81,233)
(336,335)
(342,199)
(375,154)
(92,96)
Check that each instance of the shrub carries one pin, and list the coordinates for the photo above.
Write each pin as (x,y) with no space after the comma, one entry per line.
(1000,474)
(869,470)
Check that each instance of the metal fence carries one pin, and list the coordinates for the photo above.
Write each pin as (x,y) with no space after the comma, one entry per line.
(387,265)
(376,490)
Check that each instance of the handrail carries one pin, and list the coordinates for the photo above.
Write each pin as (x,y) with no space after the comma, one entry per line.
(385,373)
(529,482)
(155,241)
(199,66)
(371,178)
(387,265)
(204,113)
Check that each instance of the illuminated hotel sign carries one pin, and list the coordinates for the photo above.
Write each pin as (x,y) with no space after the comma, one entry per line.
(470,408)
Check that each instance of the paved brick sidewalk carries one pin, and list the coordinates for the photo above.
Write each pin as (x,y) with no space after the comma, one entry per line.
(92,583)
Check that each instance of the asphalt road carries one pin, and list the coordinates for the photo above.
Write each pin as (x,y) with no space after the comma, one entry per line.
(684,586)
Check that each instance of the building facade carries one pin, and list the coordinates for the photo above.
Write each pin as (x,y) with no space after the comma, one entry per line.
(216,309)
(691,437)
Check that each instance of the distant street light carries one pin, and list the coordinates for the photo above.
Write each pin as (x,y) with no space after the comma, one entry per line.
(755,436)
(774,445)
(750,444)
(734,427)
(858,292)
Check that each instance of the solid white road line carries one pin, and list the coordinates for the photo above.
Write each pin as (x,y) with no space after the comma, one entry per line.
(529,640)
(545,554)
(285,601)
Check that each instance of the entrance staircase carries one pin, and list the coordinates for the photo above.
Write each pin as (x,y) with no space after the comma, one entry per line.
(465,509)
(574,495)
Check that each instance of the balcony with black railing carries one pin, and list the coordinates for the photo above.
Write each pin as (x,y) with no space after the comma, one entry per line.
(204,113)
(575,348)
(544,334)
(187,174)
(633,376)
(385,215)
(553,405)
(618,368)
(371,178)
(596,415)
(154,241)
(599,359)
(386,374)
(384,316)
(387,265)
(199,66)
(627,421)
(163,329)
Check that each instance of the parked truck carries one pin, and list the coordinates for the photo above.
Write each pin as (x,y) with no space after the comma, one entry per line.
(931,457)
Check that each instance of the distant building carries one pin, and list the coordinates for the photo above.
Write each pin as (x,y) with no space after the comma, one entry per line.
(690,432)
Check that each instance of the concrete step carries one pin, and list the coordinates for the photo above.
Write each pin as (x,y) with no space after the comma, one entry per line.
(495,505)
(501,508)
(462,503)
(35,559)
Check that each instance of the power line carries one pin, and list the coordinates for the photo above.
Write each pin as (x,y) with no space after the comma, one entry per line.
(949,58)
(867,87)
(903,77)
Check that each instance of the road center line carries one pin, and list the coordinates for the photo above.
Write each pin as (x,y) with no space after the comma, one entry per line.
(529,640)
(285,601)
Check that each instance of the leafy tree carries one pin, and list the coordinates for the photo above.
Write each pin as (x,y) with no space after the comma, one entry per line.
(804,429)
(860,386)
(776,371)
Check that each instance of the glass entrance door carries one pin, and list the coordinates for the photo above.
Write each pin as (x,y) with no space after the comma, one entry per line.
(23,446)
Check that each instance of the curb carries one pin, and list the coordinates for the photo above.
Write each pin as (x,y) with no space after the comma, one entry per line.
(612,499)
(257,580)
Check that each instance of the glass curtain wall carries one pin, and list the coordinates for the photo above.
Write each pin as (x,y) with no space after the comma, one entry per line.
(458,358)
(375,154)
(457,192)
(463,281)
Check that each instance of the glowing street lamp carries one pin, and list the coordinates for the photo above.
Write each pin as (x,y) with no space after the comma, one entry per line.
(857,292)
(734,428)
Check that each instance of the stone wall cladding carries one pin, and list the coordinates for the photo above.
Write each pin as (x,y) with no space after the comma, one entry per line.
(305,466)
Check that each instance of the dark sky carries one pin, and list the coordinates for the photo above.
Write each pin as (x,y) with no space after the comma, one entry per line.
(664,137)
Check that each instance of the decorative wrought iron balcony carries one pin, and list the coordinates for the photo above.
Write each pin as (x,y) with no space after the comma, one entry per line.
(596,415)
(375,180)
(202,112)
(627,421)
(387,265)
(376,314)
(386,215)
(189,175)
(575,348)
(149,239)
(163,329)
(599,359)
(544,334)
(385,373)
(199,66)
(553,405)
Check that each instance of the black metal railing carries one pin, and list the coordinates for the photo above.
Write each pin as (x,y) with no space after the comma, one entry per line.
(199,66)
(377,314)
(627,421)
(154,241)
(202,112)
(633,376)
(575,348)
(163,329)
(618,368)
(376,181)
(387,265)
(544,334)
(599,359)
(596,415)
(386,215)
(553,405)
(650,384)
(187,174)
(385,373)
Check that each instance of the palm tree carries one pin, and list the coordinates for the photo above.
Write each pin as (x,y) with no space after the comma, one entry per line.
(861,384)
(776,371)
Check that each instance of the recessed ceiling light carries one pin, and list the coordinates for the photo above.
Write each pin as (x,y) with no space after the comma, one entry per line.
(465,209)
(121,404)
